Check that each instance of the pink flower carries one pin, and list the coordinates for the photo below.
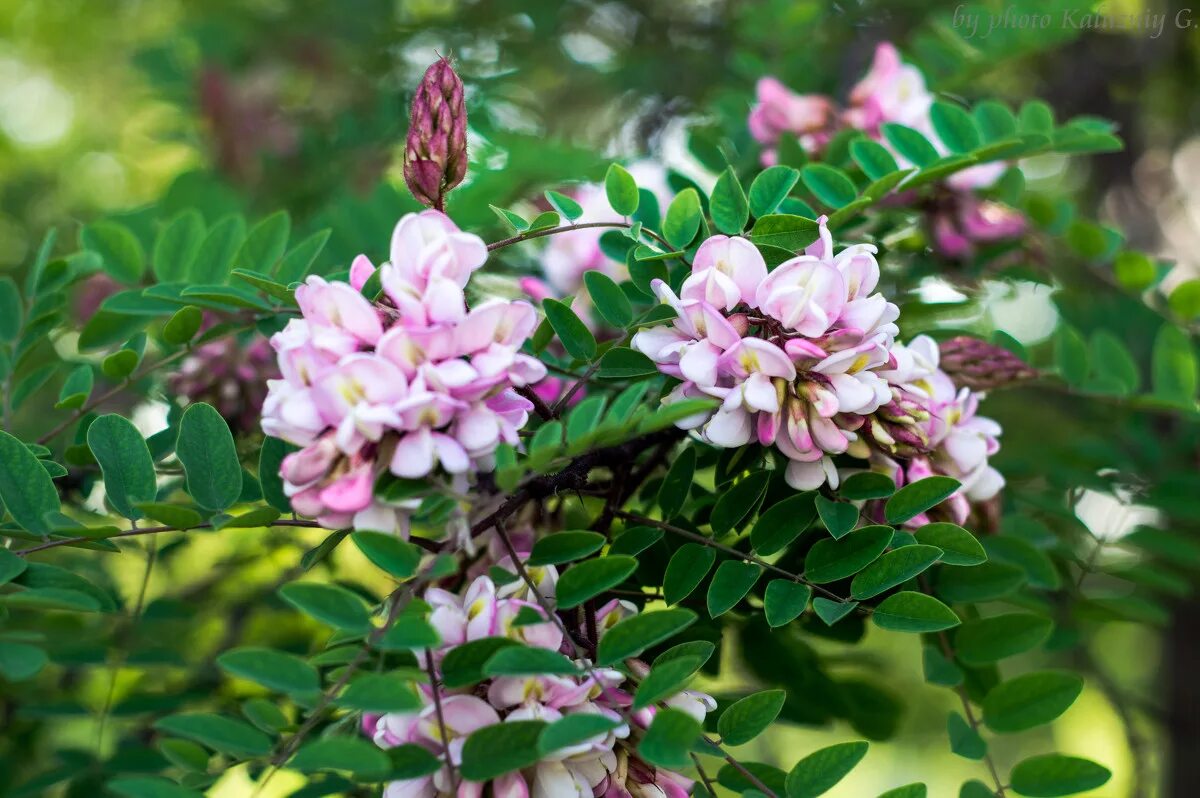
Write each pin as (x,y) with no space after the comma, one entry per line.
(891,91)
(805,294)
(781,111)
(725,272)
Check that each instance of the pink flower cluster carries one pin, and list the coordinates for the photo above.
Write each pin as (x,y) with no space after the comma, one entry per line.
(805,358)
(404,385)
(604,765)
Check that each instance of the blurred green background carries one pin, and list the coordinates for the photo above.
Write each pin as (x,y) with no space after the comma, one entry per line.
(265,104)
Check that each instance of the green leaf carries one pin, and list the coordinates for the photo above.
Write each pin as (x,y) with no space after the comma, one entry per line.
(380,692)
(784,601)
(749,717)
(683,218)
(954,127)
(217,732)
(1038,567)
(910,144)
(995,121)
(576,338)
(125,462)
(171,514)
(782,523)
(982,583)
(730,584)
(1051,775)
(265,243)
(1030,700)
(76,389)
(917,497)
(25,487)
(632,636)
(832,611)
(206,450)
(634,541)
(299,259)
(1036,117)
(275,670)
(669,740)
(738,502)
(622,190)
(728,205)
(501,748)
(1135,271)
(771,777)
(666,678)
(572,730)
(677,483)
(1071,355)
(270,459)
(829,185)
(1120,371)
(105,328)
(411,761)
(893,568)
(686,570)
(908,611)
(120,364)
(21,661)
(183,326)
(623,363)
(151,786)
(770,188)
(566,546)
(610,301)
(215,259)
(11,566)
(10,309)
(513,221)
(964,740)
(959,547)
(784,230)
(873,158)
(528,661)
(830,560)
(463,665)
(907,791)
(545,221)
(838,517)
(818,772)
(1173,367)
(329,604)
(398,558)
(176,247)
(568,207)
(983,641)
(867,485)
(976,789)
(351,754)
(590,578)
(120,252)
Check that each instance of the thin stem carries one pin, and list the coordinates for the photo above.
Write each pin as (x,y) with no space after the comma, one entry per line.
(544,411)
(948,652)
(565,399)
(517,239)
(441,721)
(150,530)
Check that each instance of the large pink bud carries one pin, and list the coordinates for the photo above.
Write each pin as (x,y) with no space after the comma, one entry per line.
(435,156)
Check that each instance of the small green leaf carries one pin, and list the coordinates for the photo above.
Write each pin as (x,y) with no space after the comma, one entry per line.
(566,206)
(76,389)
(25,487)
(893,568)
(959,547)
(632,636)
(995,121)
(633,542)
(10,309)
(907,791)
(380,692)
(463,665)
(909,611)
(623,363)
(11,566)
(214,261)
(917,497)
(299,259)
(274,670)
(21,661)
(171,514)
(176,246)
(399,558)
(501,748)
(867,485)
(329,604)
(910,144)
(576,338)
(983,641)
(1071,355)
(183,326)
(784,601)
(528,661)
(125,463)
(818,772)
(832,611)
(669,740)
(666,678)
(610,301)
(785,231)
(686,570)
(964,740)
(1036,117)
(153,786)
(738,502)
(728,205)
(830,560)
(770,188)
(565,546)
(683,218)
(730,584)
(954,127)
(350,754)
(677,483)
(1052,775)
(1030,700)
(590,578)
(1174,372)
(838,517)
(206,450)
(265,243)
(748,717)
(622,190)
(572,730)
(782,523)
(984,582)
(829,185)
(217,732)
(873,158)
(119,250)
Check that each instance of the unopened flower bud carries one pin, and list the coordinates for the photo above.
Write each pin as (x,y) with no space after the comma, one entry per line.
(981,366)
(435,155)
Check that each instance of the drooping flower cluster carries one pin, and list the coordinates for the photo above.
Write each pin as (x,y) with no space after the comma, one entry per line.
(805,358)
(604,765)
(891,91)
(405,385)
